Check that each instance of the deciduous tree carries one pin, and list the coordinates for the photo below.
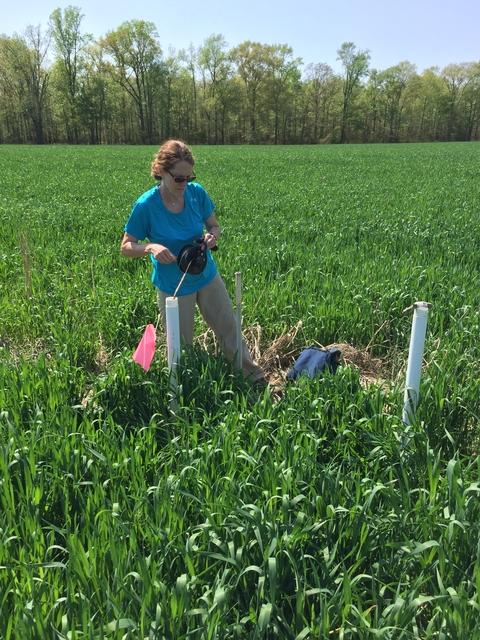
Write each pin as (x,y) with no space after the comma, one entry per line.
(136,52)
(456,78)
(471,100)
(392,85)
(254,61)
(24,73)
(355,66)
(320,89)
(215,66)
(282,83)
(68,43)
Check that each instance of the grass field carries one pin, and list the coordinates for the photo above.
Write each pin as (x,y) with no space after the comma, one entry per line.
(246,514)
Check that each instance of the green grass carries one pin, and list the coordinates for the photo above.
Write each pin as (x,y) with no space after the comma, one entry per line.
(245,515)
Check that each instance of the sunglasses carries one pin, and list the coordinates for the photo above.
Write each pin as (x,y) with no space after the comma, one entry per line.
(179,179)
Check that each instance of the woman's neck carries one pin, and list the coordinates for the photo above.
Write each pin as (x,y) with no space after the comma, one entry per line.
(169,199)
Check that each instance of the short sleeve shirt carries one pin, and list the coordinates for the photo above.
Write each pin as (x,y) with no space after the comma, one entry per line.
(151,220)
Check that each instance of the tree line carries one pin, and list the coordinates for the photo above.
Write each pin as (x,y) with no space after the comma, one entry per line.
(60,85)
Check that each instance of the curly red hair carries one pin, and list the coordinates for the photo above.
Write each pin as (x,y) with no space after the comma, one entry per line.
(169,154)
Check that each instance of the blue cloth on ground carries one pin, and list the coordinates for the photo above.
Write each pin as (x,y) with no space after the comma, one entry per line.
(313,361)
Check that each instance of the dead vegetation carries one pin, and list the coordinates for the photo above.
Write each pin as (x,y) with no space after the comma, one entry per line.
(277,358)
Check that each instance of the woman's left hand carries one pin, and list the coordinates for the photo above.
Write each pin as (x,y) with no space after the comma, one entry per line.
(210,240)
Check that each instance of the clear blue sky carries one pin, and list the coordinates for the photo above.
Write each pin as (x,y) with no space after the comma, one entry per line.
(424,32)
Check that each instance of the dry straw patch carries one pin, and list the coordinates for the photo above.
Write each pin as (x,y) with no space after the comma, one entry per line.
(278,357)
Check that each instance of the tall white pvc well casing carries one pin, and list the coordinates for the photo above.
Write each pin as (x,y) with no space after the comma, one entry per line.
(173,345)
(415,358)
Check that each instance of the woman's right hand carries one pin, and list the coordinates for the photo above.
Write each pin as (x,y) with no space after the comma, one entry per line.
(161,253)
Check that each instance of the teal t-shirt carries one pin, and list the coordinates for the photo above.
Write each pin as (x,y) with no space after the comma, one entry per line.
(151,220)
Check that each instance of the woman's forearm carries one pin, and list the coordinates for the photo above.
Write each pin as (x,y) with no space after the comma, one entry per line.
(131,249)
(215,230)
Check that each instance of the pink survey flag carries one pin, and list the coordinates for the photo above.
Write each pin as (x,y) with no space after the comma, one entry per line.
(146,348)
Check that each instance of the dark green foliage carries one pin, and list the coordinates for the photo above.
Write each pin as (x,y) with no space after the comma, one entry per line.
(304,513)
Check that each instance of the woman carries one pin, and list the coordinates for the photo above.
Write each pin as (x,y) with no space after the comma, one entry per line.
(170,216)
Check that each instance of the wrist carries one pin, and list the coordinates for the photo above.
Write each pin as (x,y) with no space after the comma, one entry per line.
(150,249)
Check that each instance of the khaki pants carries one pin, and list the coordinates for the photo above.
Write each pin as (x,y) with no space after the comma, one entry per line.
(217,311)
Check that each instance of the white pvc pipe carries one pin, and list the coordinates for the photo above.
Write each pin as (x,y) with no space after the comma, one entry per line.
(173,345)
(238,296)
(415,358)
